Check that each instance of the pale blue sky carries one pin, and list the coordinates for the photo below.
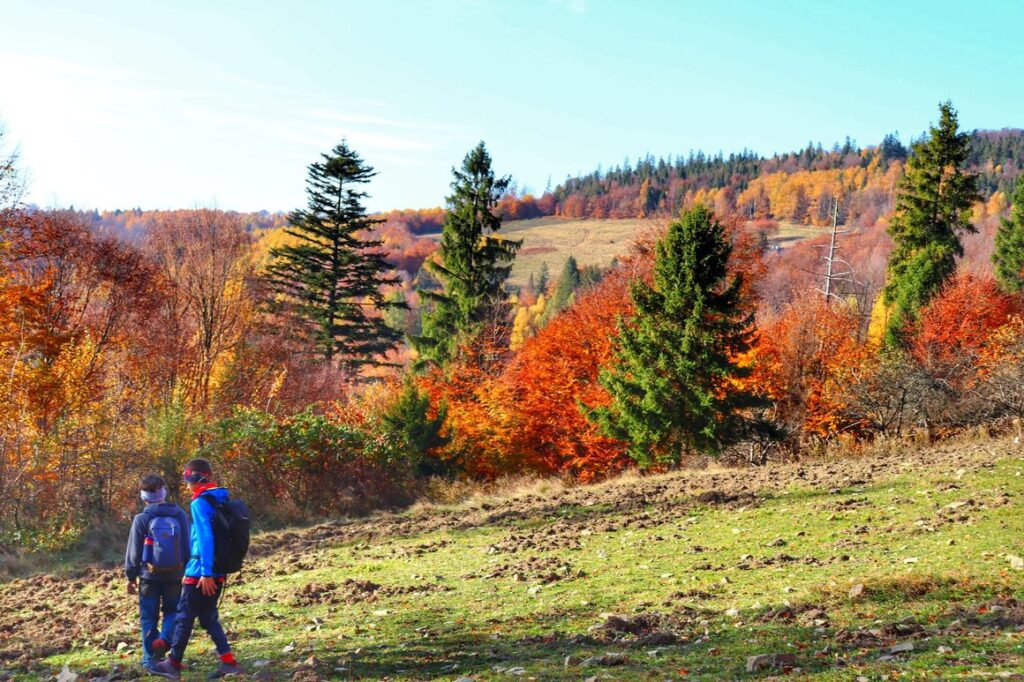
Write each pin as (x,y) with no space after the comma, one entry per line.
(185,103)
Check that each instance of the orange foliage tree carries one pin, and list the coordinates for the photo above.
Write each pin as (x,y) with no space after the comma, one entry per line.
(556,372)
(959,322)
(798,355)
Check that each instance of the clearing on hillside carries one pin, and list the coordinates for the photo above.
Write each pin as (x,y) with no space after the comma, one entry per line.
(596,241)
(905,564)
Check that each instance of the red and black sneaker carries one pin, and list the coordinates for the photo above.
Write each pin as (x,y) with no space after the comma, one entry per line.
(159,648)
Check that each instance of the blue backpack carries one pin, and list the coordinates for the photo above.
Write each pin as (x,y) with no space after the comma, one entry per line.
(162,549)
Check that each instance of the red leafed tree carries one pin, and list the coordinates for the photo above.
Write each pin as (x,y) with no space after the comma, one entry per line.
(556,372)
(959,322)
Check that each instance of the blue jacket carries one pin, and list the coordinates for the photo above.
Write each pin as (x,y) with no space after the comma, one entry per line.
(133,567)
(201,563)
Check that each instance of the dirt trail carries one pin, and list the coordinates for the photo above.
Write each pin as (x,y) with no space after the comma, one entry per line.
(46,614)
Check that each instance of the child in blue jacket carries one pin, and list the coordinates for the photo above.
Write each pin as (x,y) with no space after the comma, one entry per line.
(154,563)
(202,586)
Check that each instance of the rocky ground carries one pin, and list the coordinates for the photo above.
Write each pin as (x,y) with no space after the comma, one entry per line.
(902,564)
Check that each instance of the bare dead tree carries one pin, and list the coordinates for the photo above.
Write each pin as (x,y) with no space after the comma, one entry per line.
(205,255)
(12,180)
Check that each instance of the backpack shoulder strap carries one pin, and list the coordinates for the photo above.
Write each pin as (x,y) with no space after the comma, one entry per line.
(211,500)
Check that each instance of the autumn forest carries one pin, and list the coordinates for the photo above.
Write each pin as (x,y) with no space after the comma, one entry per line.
(368,355)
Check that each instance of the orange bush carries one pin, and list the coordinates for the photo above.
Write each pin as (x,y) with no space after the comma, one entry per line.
(798,353)
(960,321)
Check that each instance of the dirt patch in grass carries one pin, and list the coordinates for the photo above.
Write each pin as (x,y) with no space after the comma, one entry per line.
(351,591)
(534,569)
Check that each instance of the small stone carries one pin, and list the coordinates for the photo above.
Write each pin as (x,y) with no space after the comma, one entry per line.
(902,648)
(66,675)
(260,664)
(1016,563)
(571,661)
(288,648)
(944,650)
(121,646)
(517,671)
(857,591)
(611,659)
(311,662)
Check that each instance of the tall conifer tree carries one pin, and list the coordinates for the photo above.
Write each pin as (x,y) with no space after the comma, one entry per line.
(568,283)
(328,281)
(676,358)
(472,263)
(933,208)
(543,278)
(1008,257)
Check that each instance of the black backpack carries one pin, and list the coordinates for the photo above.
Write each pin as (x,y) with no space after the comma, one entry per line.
(230,534)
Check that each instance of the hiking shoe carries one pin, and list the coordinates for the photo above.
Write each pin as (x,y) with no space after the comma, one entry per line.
(225,669)
(159,648)
(164,668)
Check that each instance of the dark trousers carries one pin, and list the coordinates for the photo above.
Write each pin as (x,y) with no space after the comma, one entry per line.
(194,604)
(157,597)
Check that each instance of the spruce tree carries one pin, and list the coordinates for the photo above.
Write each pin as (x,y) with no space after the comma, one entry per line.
(675,359)
(329,280)
(409,420)
(472,263)
(933,207)
(543,278)
(568,283)
(1008,257)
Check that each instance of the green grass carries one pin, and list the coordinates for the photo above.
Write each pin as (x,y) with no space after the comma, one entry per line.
(626,548)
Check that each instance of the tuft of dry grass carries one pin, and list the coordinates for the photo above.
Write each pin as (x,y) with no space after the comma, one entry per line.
(443,493)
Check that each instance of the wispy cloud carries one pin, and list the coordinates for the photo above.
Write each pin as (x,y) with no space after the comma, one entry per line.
(125,99)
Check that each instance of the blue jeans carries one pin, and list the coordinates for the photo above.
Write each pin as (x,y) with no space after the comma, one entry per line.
(155,597)
(194,604)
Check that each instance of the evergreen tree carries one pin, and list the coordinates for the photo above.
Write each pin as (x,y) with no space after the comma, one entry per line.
(1008,257)
(675,359)
(472,263)
(397,316)
(409,420)
(568,283)
(933,206)
(329,280)
(543,278)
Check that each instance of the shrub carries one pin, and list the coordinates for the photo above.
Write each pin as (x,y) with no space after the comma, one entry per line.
(307,465)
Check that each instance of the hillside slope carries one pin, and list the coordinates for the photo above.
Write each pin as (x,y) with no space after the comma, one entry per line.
(894,565)
(597,241)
